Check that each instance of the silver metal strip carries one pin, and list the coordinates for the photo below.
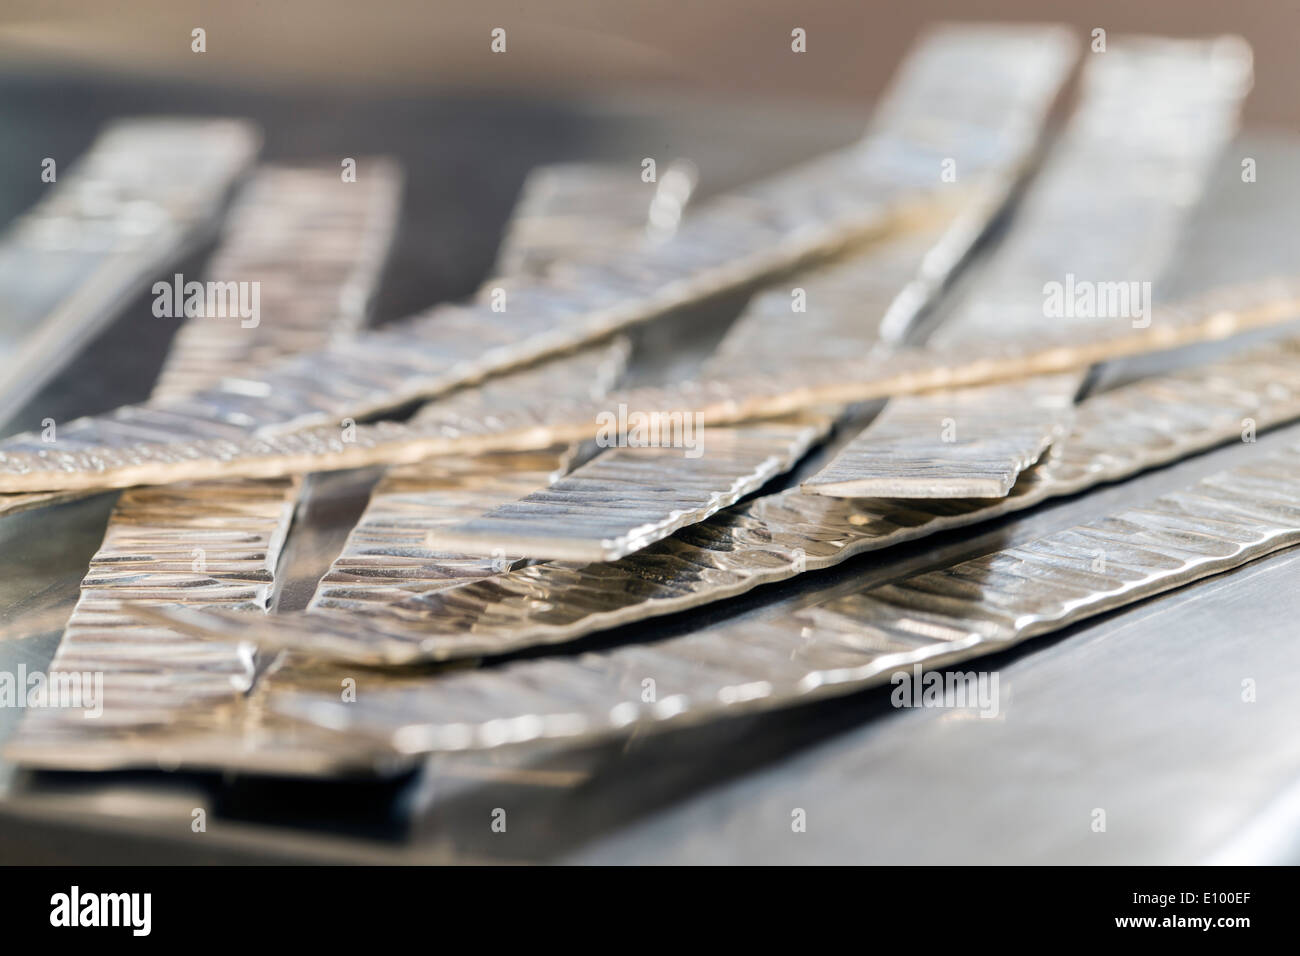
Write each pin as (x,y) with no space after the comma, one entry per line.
(1217,315)
(315,247)
(628,498)
(1153,116)
(932,619)
(1116,434)
(143,566)
(974,94)
(141,197)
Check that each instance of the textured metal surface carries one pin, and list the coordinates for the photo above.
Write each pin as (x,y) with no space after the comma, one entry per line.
(978,94)
(145,192)
(1106,208)
(1214,315)
(1138,711)
(936,619)
(221,714)
(394,551)
(965,443)
(1117,434)
(314,244)
(628,498)
(582,212)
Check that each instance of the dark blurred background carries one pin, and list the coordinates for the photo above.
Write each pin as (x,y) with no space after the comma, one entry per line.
(589,48)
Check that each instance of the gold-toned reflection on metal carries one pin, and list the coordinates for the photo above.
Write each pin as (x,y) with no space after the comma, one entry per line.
(1116,434)
(934,619)
(987,117)
(1225,312)
(1099,178)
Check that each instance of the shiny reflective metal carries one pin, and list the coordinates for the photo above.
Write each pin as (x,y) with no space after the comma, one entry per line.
(1116,434)
(976,94)
(148,526)
(932,619)
(26,466)
(628,498)
(314,245)
(146,192)
(1106,208)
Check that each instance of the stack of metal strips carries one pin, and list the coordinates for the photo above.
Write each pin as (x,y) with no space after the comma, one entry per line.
(316,245)
(160,683)
(933,112)
(654,533)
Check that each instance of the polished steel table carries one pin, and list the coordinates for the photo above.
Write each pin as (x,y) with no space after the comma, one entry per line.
(1138,712)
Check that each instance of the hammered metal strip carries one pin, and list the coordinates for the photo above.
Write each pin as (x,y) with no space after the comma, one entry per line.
(987,117)
(204,685)
(936,619)
(1217,315)
(1153,116)
(1116,434)
(147,191)
(316,246)
(628,498)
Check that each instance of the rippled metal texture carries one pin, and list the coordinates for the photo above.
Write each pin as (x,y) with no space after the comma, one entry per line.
(628,498)
(315,244)
(100,637)
(394,551)
(141,196)
(1106,208)
(936,618)
(965,443)
(976,94)
(1217,315)
(1115,435)
(582,212)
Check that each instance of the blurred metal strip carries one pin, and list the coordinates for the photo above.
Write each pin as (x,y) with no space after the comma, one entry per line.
(1107,207)
(975,95)
(147,192)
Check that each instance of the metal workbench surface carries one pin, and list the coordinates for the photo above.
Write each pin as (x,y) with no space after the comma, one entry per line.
(1138,712)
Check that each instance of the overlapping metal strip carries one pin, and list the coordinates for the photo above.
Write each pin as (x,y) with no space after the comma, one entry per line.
(1115,435)
(1214,315)
(315,245)
(146,192)
(937,618)
(984,89)
(236,529)
(1106,209)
